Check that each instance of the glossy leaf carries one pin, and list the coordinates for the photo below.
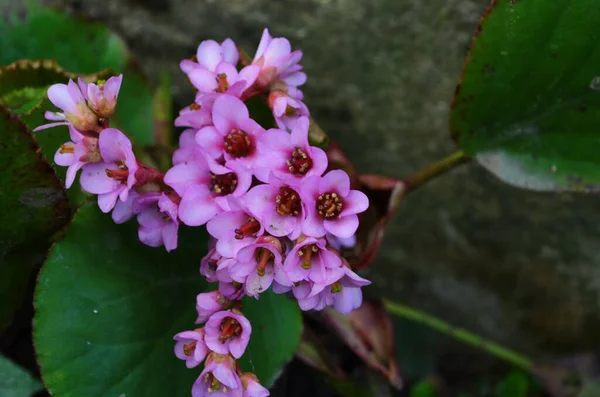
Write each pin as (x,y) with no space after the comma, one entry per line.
(107,308)
(515,384)
(528,107)
(34,206)
(276,331)
(15,381)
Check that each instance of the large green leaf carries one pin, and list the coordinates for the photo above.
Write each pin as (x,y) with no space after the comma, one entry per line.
(107,308)
(33,206)
(277,328)
(528,107)
(82,47)
(16,382)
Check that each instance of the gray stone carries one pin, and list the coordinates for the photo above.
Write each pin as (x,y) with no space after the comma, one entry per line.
(515,266)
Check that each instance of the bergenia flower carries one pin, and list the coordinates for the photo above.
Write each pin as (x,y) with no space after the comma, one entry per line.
(70,100)
(187,147)
(232,290)
(228,332)
(258,264)
(210,54)
(343,292)
(234,229)
(209,303)
(76,153)
(252,387)
(224,79)
(287,107)
(331,205)
(278,206)
(191,347)
(204,187)
(199,113)
(278,62)
(158,220)
(219,378)
(234,134)
(115,176)
(311,260)
(102,96)
(289,156)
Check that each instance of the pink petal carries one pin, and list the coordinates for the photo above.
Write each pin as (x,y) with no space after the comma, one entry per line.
(114,145)
(60,97)
(65,159)
(299,136)
(227,112)
(50,125)
(209,54)
(313,224)
(197,206)
(238,346)
(184,175)
(204,80)
(225,375)
(107,201)
(295,79)
(211,140)
(187,66)
(335,181)
(54,116)
(112,87)
(72,173)
(263,44)
(223,225)
(355,203)
(343,227)
(277,50)
(94,179)
(249,74)
(151,236)
(256,284)
(347,300)
(319,161)
(229,51)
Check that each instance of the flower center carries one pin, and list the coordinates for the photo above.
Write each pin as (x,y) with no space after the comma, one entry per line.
(263,256)
(222,83)
(120,174)
(238,143)
(288,202)
(195,106)
(306,253)
(223,184)
(189,348)
(299,162)
(213,383)
(329,205)
(250,228)
(336,287)
(230,328)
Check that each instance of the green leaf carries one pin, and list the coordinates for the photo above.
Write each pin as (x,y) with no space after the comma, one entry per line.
(16,382)
(79,45)
(34,206)
(515,384)
(108,307)
(276,330)
(528,107)
(424,388)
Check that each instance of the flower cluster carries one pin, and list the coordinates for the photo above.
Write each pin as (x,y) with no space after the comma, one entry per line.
(276,214)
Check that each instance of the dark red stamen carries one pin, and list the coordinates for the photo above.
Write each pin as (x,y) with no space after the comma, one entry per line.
(329,205)
(230,328)
(120,175)
(223,184)
(189,348)
(238,143)
(288,202)
(306,253)
(299,162)
(263,256)
(250,228)
(222,83)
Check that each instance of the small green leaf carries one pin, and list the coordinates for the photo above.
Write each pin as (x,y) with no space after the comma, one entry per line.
(16,382)
(276,331)
(528,107)
(515,384)
(34,206)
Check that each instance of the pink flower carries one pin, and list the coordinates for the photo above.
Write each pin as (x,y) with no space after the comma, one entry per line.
(115,176)
(258,264)
(234,133)
(198,114)
(287,107)
(209,303)
(331,205)
(278,62)
(74,109)
(278,206)
(76,153)
(252,387)
(289,156)
(228,332)
(102,97)
(219,378)
(210,54)
(191,347)
(232,290)
(311,260)
(124,210)
(209,264)
(234,229)
(187,147)
(342,291)
(204,187)
(158,220)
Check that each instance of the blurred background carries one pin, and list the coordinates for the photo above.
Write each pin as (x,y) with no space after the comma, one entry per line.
(513,266)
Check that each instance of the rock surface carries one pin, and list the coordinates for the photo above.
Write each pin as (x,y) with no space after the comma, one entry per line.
(519,267)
